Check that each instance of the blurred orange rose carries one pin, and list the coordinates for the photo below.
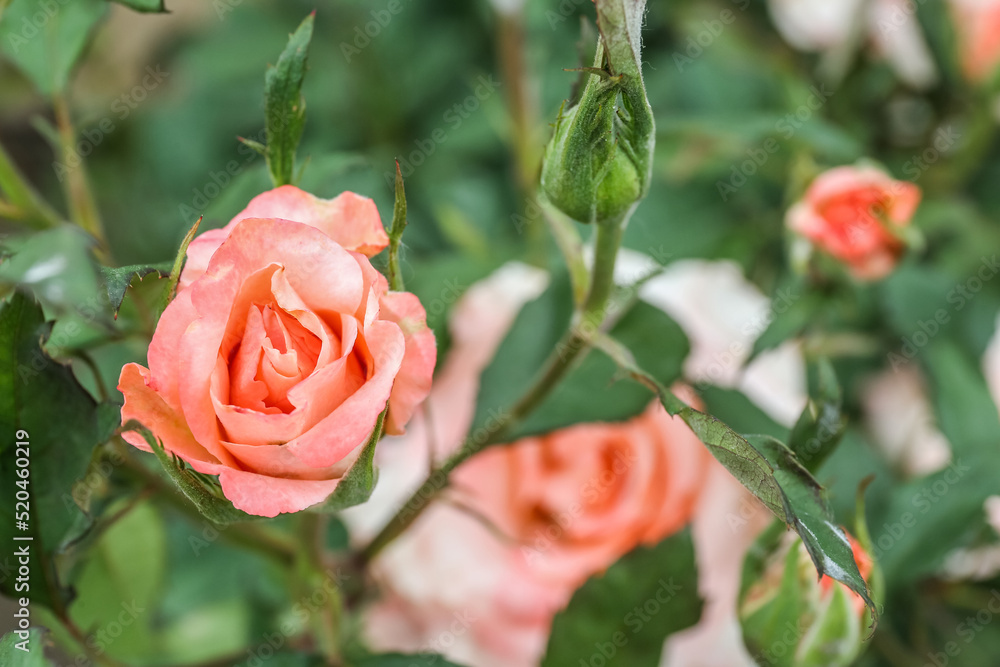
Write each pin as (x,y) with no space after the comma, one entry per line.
(855,215)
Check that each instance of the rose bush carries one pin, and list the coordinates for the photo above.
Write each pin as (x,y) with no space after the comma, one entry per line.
(540,515)
(856,214)
(280,350)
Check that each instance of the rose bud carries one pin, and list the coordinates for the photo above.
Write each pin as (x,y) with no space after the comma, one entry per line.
(857,215)
(599,162)
(789,618)
(282,347)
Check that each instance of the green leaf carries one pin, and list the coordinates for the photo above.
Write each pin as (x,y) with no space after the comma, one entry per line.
(930,517)
(822,423)
(215,508)
(358,483)
(589,392)
(120,584)
(284,105)
(117,280)
(624,615)
(28,205)
(43,399)
(218,596)
(56,266)
(769,470)
(34,656)
(401,660)
(45,39)
(807,512)
(145,6)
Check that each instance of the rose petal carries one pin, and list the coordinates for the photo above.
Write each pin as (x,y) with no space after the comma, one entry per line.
(143,404)
(349,219)
(199,254)
(262,495)
(315,267)
(413,383)
(352,422)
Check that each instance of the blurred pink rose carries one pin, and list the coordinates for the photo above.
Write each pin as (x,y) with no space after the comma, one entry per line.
(977,24)
(900,418)
(855,215)
(833,26)
(282,347)
(816,25)
(991,365)
(536,518)
(581,497)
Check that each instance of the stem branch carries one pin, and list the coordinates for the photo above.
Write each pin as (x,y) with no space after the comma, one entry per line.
(573,345)
(82,208)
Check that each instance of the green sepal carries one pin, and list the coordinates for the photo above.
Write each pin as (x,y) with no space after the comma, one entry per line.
(193,485)
(357,484)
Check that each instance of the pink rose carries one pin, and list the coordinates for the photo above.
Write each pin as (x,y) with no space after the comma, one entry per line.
(560,508)
(580,498)
(835,27)
(977,24)
(283,345)
(855,215)
(535,518)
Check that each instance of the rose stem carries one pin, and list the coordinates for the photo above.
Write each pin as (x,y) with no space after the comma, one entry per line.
(82,208)
(574,343)
(327,624)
